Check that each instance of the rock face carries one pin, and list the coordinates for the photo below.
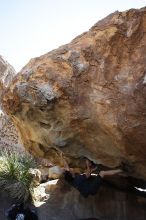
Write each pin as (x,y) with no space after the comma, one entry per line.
(87,98)
(7,72)
(8,133)
(108,204)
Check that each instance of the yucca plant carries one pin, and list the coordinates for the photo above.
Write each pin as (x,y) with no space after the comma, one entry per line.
(14,174)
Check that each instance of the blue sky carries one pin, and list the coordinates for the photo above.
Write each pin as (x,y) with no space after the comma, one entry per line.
(30,28)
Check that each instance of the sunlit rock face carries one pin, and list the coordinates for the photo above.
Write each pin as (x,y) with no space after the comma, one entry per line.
(87,98)
(8,133)
(7,72)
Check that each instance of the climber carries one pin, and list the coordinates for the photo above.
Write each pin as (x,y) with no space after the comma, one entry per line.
(87,183)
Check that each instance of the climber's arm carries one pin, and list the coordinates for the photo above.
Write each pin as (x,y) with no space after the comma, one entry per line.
(110,172)
(88,170)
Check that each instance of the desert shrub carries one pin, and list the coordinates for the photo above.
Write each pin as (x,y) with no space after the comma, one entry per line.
(15,176)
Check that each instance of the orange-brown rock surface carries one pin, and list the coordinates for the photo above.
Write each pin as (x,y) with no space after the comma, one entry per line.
(87,98)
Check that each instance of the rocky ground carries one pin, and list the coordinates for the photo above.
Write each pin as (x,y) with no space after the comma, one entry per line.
(57,200)
(65,203)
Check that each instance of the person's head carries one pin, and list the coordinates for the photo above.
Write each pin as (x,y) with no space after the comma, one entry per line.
(68,177)
(92,164)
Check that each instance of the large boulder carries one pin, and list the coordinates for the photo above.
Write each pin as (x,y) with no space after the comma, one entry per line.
(87,98)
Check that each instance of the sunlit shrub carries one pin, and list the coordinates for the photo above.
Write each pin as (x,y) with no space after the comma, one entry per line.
(14,174)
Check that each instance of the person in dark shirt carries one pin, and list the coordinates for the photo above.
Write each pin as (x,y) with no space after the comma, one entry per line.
(18,212)
(87,183)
